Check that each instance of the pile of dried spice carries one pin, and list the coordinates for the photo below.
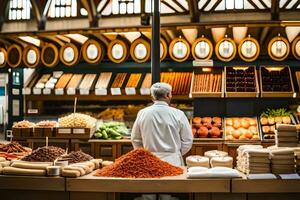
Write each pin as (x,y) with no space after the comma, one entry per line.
(139,163)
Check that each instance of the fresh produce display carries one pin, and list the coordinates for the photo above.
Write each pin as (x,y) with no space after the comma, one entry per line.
(240,79)
(23,124)
(77,120)
(241,128)
(207,83)
(133,80)
(103,80)
(44,154)
(119,80)
(270,118)
(112,114)
(87,81)
(180,81)
(111,130)
(75,80)
(139,163)
(63,80)
(276,79)
(207,127)
(13,150)
(46,124)
(76,157)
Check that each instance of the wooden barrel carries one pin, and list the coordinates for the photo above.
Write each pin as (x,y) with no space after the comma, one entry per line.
(117,50)
(49,55)
(14,55)
(296,48)
(3,57)
(31,56)
(249,49)
(179,49)
(278,48)
(202,49)
(163,49)
(140,50)
(92,51)
(225,49)
(69,54)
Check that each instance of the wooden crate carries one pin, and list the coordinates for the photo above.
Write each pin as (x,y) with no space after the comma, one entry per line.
(22,133)
(210,139)
(44,132)
(242,94)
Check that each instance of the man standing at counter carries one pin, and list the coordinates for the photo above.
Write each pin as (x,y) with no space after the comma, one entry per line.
(161,129)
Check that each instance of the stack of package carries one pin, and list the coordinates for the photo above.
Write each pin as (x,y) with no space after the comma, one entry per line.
(253,159)
(286,135)
(283,161)
(197,161)
(219,158)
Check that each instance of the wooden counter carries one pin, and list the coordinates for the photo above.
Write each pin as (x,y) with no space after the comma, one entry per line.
(178,184)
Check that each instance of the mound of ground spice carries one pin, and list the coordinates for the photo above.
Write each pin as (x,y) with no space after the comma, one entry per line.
(76,157)
(139,163)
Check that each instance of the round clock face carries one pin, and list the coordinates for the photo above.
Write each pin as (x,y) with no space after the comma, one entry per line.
(279,49)
(297,48)
(92,52)
(117,51)
(202,49)
(226,49)
(179,50)
(2,58)
(248,49)
(69,54)
(31,57)
(140,51)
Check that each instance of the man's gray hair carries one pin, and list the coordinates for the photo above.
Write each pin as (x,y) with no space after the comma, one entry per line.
(160,90)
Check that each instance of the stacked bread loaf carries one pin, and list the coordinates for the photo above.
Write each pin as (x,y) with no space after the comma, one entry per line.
(286,135)
(282,161)
(219,158)
(253,159)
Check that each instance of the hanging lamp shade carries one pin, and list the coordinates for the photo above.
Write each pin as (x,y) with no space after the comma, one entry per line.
(140,50)
(31,56)
(118,50)
(92,51)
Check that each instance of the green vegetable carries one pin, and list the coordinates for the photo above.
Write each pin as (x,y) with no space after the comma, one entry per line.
(111,130)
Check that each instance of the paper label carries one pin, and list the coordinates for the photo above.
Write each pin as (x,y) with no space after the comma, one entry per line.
(100,91)
(78,131)
(130,91)
(46,91)
(64,131)
(32,111)
(71,91)
(26,91)
(59,91)
(115,91)
(15,91)
(84,91)
(37,91)
(145,91)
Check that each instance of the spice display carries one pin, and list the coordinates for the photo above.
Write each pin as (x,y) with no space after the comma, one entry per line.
(42,81)
(46,124)
(276,79)
(23,124)
(147,81)
(207,127)
(139,163)
(75,80)
(76,157)
(103,80)
(44,154)
(241,128)
(282,161)
(119,80)
(253,159)
(286,135)
(240,79)
(112,114)
(13,147)
(180,81)
(207,83)
(87,81)
(133,80)
(270,118)
(63,81)
(77,120)
(111,130)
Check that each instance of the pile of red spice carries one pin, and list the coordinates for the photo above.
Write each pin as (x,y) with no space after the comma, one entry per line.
(139,163)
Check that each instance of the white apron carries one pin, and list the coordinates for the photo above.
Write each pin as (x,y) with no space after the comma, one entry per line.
(172,158)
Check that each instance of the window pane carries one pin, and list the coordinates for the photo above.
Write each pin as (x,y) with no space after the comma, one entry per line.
(229,4)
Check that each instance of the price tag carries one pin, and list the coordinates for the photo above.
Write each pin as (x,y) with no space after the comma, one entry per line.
(145,91)
(71,91)
(46,91)
(26,91)
(115,91)
(130,91)
(32,111)
(84,91)
(100,91)
(59,91)
(78,131)
(15,91)
(37,91)
(64,131)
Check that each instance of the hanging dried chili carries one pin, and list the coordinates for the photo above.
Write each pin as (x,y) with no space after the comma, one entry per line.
(139,163)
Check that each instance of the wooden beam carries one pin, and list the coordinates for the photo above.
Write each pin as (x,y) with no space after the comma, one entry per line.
(264,34)
(205,5)
(253,4)
(90,6)
(275,10)
(194,11)
(216,5)
(168,5)
(3,8)
(179,5)
(263,4)
(38,13)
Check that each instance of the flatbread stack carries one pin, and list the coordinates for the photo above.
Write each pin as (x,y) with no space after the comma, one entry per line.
(253,159)
(286,135)
(283,161)
(197,161)
(225,161)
